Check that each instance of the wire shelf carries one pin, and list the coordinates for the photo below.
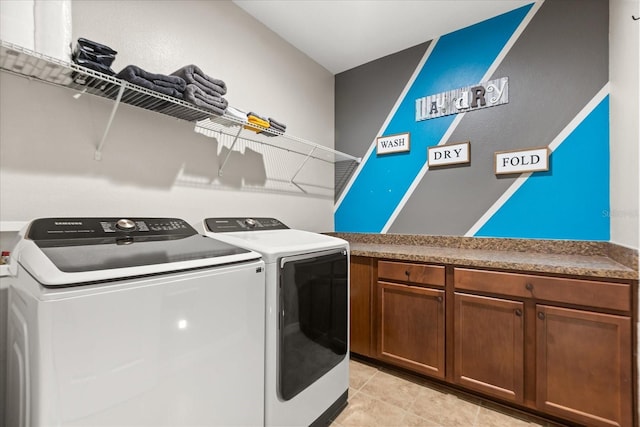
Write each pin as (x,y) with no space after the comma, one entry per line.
(26,63)
(23,62)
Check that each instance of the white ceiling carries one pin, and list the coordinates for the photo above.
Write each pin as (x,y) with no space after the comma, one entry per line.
(342,34)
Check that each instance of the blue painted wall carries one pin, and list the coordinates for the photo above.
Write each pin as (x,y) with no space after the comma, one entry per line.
(557,66)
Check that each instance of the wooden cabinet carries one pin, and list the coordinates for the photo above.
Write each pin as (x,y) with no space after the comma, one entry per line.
(489,346)
(411,321)
(560,346)
(361,305)
(583,366)
(579,351)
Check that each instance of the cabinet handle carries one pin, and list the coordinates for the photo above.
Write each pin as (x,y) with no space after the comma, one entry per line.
(540,315)
(529,286)
(407,272)
(518,312)
(439,299)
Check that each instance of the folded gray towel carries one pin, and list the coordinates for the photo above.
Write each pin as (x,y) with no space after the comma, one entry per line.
(194,75)
(168,85)
(276,124)
(273,126)
(198,97)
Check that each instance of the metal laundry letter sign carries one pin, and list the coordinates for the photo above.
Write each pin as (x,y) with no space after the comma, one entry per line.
(483,95)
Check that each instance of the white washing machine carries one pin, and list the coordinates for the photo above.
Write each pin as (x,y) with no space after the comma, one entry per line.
(133,322)
(307,317)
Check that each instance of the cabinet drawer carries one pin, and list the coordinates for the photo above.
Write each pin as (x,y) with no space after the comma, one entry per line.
(614,296)
(409,272)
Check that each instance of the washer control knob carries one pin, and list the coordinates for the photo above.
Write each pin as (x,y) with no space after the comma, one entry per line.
(250,222)
(125,225)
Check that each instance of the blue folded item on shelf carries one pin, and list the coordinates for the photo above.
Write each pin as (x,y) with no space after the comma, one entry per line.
(195,95)
(173,86)
(95,47)
(95,66)
(192,74)
(94,56)
(81,54)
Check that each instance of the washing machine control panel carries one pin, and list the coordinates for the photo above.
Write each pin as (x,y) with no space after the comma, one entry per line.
(47,229)
(225,225)
(75,245)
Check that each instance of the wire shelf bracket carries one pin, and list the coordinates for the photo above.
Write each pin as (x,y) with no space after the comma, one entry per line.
(98,153)
(306,159)
(235,139)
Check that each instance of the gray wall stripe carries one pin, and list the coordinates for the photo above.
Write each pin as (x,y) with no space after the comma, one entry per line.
(557,141)
(557,65)
(365,95)
(506,48)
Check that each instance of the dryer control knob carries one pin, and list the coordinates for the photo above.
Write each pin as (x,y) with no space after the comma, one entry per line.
(125,224)
(250,222)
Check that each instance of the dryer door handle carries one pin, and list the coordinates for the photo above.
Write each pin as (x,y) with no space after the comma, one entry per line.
(281,319)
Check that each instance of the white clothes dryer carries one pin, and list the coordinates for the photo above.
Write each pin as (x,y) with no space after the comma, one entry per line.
(136,322)
(307,317)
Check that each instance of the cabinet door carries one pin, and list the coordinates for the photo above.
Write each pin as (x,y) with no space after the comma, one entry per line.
(360,305)
(411,327)
(489,346)
(584,366)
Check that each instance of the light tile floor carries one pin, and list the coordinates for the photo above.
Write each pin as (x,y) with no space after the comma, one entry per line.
(379,397)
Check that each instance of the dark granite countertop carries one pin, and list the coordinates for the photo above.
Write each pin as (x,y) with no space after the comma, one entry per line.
(588,259)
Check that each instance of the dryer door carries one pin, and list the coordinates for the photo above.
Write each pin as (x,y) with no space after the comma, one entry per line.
(313,324)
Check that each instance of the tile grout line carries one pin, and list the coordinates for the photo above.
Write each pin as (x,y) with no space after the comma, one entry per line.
(405,412)
(408,412)
(367,381)
(476,419)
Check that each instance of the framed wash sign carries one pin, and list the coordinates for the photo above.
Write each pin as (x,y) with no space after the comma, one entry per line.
(397,143)
(519,161)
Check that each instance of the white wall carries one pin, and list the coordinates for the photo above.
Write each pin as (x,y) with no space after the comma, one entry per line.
(154,165)
(624,45)
(624,63)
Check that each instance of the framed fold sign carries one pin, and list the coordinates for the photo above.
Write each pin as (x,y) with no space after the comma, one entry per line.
(520,161)
(390,144)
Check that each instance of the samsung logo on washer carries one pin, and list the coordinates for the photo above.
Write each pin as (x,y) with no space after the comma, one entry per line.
(68,223)
(483,95)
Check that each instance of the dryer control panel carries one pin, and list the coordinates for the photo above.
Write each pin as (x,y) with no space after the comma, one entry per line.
(225,225)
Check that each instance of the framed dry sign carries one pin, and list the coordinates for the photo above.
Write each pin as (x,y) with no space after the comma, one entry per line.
(450,154)
(389,144)
(519,161)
